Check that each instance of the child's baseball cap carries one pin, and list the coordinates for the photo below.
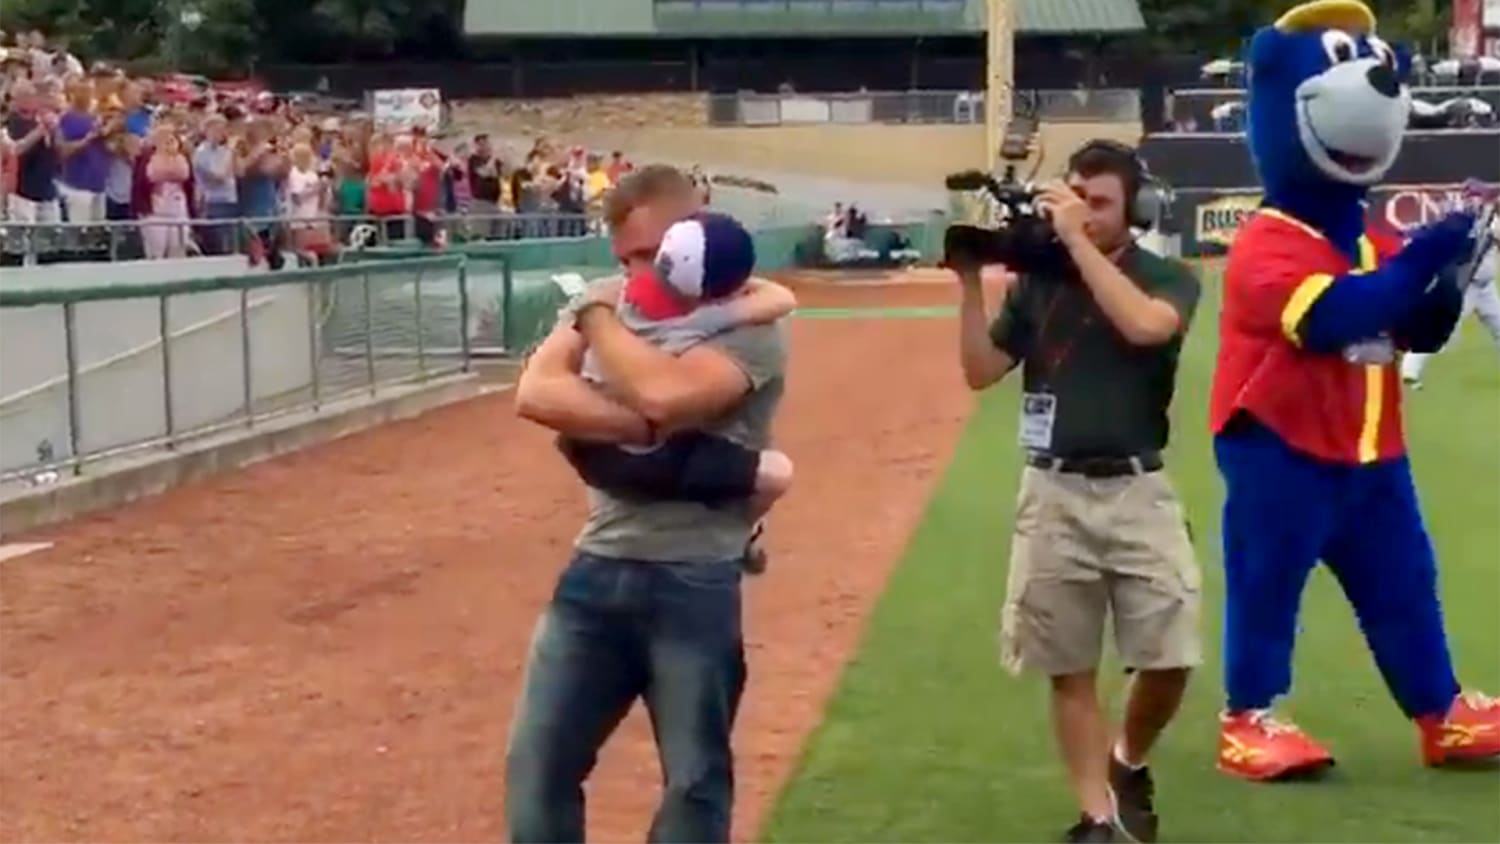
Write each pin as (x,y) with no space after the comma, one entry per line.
(706,256)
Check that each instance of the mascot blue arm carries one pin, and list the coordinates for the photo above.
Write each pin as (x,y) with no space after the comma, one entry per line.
(1429,325)
(1399,297)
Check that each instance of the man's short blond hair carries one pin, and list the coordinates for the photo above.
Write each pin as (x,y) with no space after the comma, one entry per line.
(650,184)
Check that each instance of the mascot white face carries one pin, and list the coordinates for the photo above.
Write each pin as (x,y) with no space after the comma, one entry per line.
(1351,117)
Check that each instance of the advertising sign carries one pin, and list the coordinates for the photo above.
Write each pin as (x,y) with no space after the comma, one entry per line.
(1218,220)
(401,109)
(1407,207)
(1211,219)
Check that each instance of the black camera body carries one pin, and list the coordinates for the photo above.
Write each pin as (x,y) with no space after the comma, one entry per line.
(1023,240)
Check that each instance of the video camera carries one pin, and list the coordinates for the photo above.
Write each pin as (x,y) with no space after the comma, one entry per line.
(1023,239)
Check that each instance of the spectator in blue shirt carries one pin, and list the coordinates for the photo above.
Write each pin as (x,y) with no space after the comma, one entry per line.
(214,172)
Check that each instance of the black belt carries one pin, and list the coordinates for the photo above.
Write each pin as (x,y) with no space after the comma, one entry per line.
(1098,467)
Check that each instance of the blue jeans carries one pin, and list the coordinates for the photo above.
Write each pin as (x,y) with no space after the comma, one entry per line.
(614,631)
(220,239)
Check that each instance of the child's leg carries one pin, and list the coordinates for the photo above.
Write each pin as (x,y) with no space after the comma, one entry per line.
(718,470)
(773,477)
(690,466)
(652,475)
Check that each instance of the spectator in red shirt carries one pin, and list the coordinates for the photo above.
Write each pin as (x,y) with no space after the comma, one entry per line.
(386,193)
(426,165)
(618,167)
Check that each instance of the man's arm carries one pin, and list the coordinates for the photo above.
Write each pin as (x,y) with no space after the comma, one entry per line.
(672,392)
(552,394)
(984,361)
(37,135)
(67,148)
(1142,319)
(245,158)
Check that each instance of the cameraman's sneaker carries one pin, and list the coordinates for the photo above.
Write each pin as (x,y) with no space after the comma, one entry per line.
(1132,793)
(1089,831)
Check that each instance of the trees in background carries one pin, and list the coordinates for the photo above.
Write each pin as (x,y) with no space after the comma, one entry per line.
(1219,28)
(232,36)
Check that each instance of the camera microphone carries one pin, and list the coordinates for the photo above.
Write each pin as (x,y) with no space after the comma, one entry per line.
(968,180)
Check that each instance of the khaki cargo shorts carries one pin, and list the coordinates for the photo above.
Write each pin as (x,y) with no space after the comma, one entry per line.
(1086,548)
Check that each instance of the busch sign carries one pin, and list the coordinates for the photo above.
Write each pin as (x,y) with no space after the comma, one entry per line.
(1407,208)
(1219,220)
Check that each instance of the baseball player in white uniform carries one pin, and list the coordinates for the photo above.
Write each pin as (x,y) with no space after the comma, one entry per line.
(1481,297)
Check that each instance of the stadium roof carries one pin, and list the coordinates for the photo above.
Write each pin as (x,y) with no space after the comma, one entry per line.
(1064,17)
(787,18)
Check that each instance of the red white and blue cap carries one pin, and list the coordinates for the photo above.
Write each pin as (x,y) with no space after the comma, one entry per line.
(706,256)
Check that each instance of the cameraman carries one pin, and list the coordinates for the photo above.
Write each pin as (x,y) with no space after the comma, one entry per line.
(1097,526)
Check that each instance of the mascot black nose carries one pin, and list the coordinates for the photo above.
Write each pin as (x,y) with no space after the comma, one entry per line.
(1384,80)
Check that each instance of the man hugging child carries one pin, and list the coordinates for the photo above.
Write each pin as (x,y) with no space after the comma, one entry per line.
(701,287)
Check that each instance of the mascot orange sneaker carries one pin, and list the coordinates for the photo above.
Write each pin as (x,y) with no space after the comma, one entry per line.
(1255,746)
(1470,730)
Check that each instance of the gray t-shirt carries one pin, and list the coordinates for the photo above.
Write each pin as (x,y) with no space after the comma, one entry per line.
(685,532)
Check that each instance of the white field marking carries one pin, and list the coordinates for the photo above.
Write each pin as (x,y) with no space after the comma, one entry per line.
(20,549)
(904,279)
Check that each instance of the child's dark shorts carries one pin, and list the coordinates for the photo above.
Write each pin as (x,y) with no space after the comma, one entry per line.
(688,466)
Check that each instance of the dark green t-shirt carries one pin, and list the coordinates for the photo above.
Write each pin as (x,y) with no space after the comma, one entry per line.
(1112,396)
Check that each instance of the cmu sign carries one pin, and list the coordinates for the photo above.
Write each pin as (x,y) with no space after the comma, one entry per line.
(1408,207)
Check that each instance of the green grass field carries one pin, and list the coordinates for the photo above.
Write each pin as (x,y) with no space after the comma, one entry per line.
(928,739)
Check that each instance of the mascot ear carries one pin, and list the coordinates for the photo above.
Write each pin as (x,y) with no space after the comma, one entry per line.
(1403,61)
(1264,51)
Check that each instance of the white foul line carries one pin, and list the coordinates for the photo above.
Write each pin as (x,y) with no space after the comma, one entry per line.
(19,549)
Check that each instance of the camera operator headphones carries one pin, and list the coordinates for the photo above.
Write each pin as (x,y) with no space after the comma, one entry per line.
(1148,197)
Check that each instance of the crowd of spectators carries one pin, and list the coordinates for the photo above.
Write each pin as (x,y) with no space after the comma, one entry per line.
(1448,94)
(224,171)
(846,239)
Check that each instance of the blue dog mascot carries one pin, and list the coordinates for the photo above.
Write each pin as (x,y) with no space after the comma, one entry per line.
(1305,407)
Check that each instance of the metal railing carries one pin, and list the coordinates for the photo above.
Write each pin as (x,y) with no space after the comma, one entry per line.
(931,107)
(117,240)
(106,371)
(1204,109)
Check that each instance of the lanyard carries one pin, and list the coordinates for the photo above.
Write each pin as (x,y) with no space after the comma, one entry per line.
(1051,363)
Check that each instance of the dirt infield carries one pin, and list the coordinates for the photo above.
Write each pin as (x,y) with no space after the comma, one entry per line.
(326,647)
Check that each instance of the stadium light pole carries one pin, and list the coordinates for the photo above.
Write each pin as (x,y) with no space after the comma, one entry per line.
(999,75)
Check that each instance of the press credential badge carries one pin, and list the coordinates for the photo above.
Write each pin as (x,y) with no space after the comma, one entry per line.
(1038,416)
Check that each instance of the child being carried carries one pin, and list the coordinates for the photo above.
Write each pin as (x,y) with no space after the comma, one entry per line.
(701,287)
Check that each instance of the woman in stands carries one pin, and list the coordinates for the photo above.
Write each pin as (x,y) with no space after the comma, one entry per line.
(307,205)
(386,191)
(170,185)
